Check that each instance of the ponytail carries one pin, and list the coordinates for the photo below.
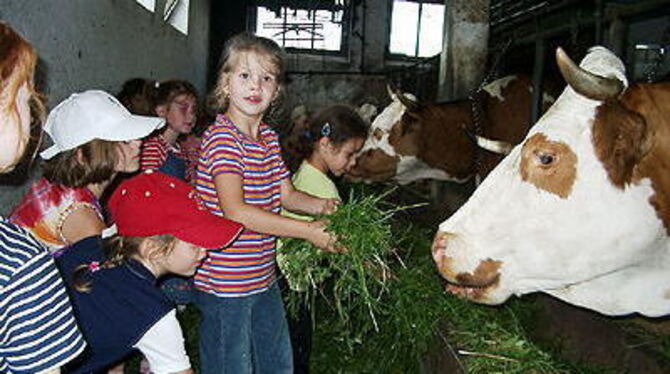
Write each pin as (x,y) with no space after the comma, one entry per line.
(118,250)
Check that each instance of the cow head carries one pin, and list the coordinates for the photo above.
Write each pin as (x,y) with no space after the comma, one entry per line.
(580,209)
(407,142)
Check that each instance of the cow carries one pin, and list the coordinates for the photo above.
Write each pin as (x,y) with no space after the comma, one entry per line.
(410,141)
(580,209)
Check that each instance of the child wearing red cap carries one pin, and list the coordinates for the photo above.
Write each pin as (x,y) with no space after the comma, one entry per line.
(113,281)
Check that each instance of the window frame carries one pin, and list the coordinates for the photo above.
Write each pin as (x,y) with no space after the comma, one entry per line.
(347,19)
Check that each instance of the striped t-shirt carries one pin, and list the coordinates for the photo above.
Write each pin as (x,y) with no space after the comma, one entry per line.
(154,152)
(247,266)
(38,331)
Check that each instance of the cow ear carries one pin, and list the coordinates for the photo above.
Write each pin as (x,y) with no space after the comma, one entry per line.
(620,139)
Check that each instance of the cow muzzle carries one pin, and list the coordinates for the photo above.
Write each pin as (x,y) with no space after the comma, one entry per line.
(373,165)
(476,285)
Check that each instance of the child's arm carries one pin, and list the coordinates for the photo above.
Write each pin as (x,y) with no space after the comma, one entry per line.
(163,346)
(231,200)
(298,201)
(83,222)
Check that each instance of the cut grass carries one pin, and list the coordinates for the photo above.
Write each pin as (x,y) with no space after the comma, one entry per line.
(352,283)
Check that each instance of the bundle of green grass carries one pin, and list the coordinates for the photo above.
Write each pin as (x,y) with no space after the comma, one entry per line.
(354,282)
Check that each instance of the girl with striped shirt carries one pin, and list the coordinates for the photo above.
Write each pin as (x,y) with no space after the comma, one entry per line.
(241,175)
(176,101)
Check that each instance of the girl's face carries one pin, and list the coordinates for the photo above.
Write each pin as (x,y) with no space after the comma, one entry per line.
(251,86)
(179,113)
(183,259)
(129,156)
(15,127)
(340,159)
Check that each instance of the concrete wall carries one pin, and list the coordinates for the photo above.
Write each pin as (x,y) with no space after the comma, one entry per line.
(99,44)
(86,44)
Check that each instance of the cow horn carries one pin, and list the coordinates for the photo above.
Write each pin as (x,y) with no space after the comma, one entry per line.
(585,83)
(390,91)
(495,146)
(406,101)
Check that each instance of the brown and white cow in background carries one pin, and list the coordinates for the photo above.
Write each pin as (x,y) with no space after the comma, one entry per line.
(410,141)
(581,209)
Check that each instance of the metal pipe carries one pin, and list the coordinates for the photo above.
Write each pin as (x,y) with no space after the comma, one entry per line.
(538,72)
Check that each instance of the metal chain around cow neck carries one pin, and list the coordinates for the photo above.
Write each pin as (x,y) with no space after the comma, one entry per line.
(477,111)
(477,127)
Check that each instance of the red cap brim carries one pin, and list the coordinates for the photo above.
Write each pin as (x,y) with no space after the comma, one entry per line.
(209,231)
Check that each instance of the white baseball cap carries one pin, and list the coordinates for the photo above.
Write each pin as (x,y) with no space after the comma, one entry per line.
(90,115)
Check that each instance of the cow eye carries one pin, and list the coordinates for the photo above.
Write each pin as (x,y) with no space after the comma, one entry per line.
(546,158)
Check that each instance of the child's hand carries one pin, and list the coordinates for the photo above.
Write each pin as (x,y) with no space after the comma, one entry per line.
(323,239)
(328,206)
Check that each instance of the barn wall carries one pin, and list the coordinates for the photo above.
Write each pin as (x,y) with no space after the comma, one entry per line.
(86,44)
(98,44)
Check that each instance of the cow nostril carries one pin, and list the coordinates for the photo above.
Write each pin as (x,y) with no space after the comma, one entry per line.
(440,243)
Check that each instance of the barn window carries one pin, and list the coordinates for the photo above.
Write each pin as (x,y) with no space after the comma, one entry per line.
(176,14)
(318,28)
(149,5)
(416,28)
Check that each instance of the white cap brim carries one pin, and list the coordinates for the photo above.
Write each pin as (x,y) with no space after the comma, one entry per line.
(130,128)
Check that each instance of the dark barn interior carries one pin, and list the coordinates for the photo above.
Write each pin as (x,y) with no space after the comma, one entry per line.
(353,52)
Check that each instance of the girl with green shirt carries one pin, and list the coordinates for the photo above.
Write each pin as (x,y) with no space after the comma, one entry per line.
(328,146)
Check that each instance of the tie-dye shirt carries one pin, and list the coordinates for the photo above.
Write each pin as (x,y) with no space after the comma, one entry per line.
(247,266)
(44,208)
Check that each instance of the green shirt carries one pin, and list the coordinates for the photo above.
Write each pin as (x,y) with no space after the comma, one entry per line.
(313,181)
(310,180)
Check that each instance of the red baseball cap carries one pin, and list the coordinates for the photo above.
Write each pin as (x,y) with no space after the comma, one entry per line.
(154,203)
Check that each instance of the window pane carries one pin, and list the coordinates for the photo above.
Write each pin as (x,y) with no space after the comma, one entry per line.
(332,32)
(179,17)
(302,29)
(404,22)
(431,33)
(150,5)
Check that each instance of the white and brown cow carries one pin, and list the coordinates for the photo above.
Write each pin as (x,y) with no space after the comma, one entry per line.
(410,141)
(580,210)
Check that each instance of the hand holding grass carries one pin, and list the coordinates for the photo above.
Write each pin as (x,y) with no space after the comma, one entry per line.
(328,206)
(321,238)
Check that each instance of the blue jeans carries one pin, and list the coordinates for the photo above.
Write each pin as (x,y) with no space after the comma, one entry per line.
(241,335)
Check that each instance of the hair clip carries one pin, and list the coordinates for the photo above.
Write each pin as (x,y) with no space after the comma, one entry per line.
(325,129)
(94,266)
